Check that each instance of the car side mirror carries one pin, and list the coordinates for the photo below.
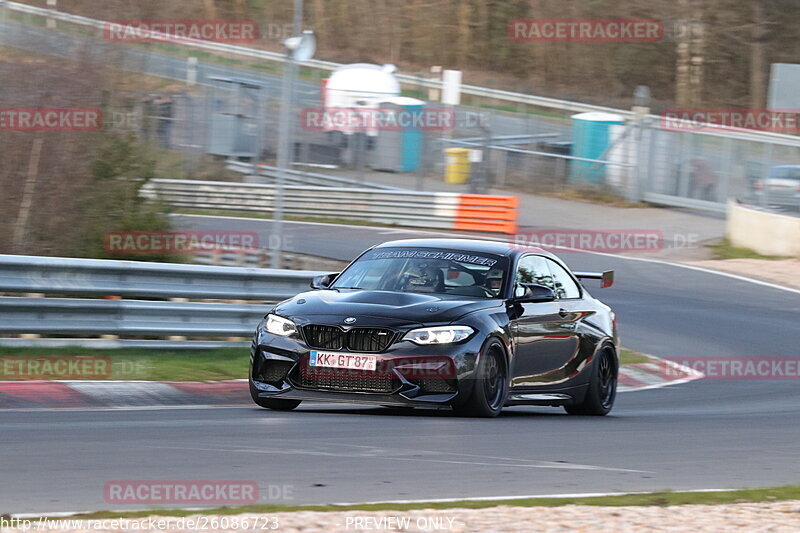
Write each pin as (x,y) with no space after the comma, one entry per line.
(324,281)
(532,293)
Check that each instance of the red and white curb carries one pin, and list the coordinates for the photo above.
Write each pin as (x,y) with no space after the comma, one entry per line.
(121,394)
(655,374)
(79,394)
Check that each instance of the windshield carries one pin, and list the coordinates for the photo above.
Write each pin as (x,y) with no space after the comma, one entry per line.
(785,173)
(427,270)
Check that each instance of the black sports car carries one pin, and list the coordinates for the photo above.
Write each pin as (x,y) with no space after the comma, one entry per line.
(475,325)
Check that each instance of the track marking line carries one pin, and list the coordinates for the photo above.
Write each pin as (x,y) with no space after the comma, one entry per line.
(494,238)
(384,456)
(523,497)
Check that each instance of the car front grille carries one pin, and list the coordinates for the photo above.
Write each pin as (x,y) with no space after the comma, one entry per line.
(345,380)
(356,339)
(369,339)
(326,337)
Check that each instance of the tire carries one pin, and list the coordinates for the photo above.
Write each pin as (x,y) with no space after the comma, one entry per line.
(272,403)
(491,384)
(602,389)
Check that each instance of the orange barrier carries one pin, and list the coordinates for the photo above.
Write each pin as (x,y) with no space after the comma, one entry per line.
(489,213)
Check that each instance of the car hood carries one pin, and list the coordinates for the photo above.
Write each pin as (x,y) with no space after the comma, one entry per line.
(333,306)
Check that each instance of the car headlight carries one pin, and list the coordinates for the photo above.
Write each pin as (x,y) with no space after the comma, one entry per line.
(439,334)
(277,325)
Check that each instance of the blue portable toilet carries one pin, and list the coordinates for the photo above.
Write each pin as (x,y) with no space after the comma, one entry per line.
(399,149)
(591,137)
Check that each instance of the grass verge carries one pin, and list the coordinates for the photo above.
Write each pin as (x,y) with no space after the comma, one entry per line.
(593,195)
(662,499)
(135,364)
(725,250)
(161,365)
(629,357)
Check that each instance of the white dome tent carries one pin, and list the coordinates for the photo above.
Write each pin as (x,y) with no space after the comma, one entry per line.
(360,86)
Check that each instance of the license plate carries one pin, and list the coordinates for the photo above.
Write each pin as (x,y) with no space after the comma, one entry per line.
(342,360)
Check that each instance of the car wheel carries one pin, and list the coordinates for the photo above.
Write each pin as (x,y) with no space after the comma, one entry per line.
(272,403)
(602,389)
(491,384)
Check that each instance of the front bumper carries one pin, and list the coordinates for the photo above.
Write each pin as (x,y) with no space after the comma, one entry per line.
(407,374)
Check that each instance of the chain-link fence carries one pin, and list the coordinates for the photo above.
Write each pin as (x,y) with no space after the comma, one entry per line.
(227,106)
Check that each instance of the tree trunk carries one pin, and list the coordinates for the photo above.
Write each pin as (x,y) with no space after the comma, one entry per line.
(211,9)
(758,58)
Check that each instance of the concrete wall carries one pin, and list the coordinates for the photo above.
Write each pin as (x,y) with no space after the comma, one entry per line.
(766,233)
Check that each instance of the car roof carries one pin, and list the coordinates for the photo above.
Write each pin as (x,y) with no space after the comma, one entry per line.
(506,248)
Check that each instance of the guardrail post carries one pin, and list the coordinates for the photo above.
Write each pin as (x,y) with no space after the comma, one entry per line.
(727,168)
(191,71)
(177,337)
(51,22)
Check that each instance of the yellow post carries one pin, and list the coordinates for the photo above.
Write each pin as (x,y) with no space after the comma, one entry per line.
(457,165)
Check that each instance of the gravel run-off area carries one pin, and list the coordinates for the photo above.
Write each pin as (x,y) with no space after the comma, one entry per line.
(783,516)
(784,272)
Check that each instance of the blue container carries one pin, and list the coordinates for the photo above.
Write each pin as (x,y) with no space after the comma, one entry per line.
(400,150)
(591,137)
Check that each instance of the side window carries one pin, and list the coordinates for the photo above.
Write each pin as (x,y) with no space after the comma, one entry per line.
(533,269)
(565,286)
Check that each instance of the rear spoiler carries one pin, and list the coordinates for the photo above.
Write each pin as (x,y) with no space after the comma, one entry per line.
(606,278)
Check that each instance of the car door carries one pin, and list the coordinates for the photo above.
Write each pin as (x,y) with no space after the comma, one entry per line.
(545,333)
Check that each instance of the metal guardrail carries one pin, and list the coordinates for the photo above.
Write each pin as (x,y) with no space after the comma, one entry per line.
(100,277)
(439,210)
(96,316)
(299,177)
(689,203)
(81,316)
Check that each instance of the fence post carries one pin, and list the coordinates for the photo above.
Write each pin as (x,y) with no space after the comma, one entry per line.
(51,22)
(191,71)
(727,166)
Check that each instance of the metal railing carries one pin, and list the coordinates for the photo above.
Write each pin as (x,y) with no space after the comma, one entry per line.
(94,278)
(439,210)
(81,316)
(402,208)
(299,177)
(102,277)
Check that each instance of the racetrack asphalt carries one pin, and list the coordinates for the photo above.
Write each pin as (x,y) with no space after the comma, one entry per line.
(704,434)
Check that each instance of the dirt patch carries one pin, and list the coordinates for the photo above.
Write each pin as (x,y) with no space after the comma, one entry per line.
(784,272)
(776,516)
